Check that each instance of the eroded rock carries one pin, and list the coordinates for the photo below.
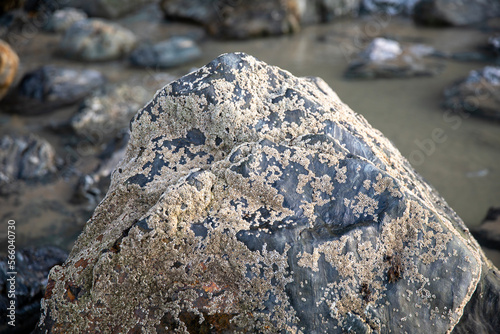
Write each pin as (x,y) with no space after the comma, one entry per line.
(96,40)
(386,58)
(478,94)
(250,200)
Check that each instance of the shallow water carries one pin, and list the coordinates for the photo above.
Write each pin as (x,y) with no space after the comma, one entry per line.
(464,166)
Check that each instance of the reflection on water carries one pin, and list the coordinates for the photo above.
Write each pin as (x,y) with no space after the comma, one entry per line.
(463,165)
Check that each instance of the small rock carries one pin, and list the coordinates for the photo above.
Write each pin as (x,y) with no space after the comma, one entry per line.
(9,62)
(110,9)
(385,58)
(50,87)
(390,7)
(237,19)
(488,233)
(96,40)
(454,12)
(64,18)
(478,94)
(105,114)
(25,157)
(32,266)
(173,52)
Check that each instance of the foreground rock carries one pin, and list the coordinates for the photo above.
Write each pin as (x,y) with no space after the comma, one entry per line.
(50,87)
(32,266)
(9,62)
(385,58)
(250,200)
(62,19)
(96,40)
(237,19)
(488,233)
(173,52)
(477,94)
(26,158)
(454,12)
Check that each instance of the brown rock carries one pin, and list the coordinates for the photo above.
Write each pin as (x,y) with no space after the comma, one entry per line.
(9,61)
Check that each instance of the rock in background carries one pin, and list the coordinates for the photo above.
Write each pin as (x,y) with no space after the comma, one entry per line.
(455,12)
(9,62)
(478,94)
(252,200)
(64,18)
(170,53)
(50,87)
(32,265)
(488,233)
(96,40)
(110,9)
(385,58)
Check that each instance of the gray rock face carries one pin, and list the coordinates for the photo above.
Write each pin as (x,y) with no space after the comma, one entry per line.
(109,9)
(32,265)
(455,12)
(385,58)
(96,40)
(64,18)
(477,94)
(250,200)
(173,52)
(25,157)
(237,19)
(50,87)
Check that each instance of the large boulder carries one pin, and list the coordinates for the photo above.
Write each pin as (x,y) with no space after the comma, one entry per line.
(455,12)
(9,62)
(250,200)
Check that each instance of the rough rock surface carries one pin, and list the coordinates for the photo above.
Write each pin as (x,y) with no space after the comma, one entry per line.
(50,87)
(253,201)
(96,40)
(488,233)
(385,58)
(109,9)
(478,94)
(237,19)
(64,18)
(105,114)
(25,157)
(172,52)
(32,266)
(9,62)
(455,12)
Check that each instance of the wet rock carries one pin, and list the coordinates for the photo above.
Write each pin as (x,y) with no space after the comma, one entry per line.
(32,266)
(385,58)
(110,9)
(173,52)
(237,19)
(25,157)
(477,94)
(454,12)
(9,62)
(105,115)
(488,233)
(390,7)
(96,40)
(50,87)
(252,200)
(64,18)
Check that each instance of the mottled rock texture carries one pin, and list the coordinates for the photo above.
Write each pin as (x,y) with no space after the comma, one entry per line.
(9,62)
(96,40)
(252,201)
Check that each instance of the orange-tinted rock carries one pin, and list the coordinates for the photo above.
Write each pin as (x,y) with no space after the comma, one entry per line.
(9,62)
